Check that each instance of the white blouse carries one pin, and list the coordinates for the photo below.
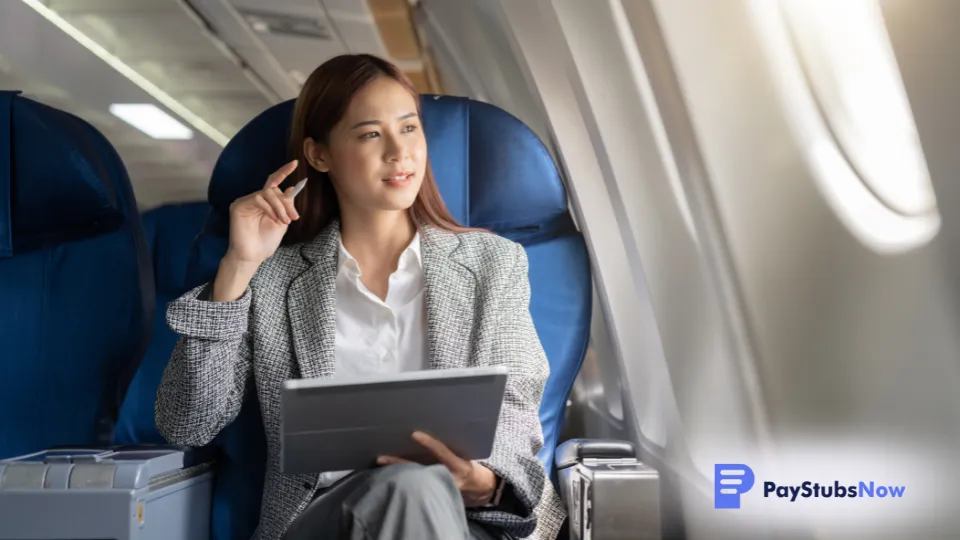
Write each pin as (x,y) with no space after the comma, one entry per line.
(375,336)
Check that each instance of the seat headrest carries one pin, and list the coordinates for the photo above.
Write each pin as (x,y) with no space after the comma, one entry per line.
(55,178)
(493,172)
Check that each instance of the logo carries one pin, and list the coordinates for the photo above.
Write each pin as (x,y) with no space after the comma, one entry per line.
(731,480)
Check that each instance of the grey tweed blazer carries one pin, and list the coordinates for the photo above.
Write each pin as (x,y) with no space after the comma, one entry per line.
(283,327)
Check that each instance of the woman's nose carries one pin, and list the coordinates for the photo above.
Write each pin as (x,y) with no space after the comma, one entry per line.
(395,150)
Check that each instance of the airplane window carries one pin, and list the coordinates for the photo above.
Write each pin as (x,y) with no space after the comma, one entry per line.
(844,99)
(847,59)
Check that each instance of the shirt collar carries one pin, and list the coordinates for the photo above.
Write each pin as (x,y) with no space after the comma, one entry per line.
(409,259)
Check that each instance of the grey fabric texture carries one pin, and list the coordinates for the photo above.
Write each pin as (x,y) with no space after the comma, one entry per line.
(283,327)
(390,503)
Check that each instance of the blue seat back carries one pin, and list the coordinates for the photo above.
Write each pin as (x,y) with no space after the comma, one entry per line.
(76,289)
(170,232)
(494,173)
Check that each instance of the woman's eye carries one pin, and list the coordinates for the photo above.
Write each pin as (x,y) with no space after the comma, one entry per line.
(370,135)
(409,129)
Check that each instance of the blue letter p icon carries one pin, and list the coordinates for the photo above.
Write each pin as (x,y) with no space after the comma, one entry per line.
(730,481)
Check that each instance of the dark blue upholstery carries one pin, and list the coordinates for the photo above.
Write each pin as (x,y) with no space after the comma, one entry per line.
(494,173)
(76,289)
(170,232)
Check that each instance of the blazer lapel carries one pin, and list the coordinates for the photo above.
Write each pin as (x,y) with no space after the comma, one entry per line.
(312,306)
(450,298)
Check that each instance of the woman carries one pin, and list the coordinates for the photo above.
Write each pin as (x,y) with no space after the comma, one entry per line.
(374,276)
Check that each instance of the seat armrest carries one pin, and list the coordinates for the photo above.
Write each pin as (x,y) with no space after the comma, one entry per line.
(575,450)
(120,492)
(607,492)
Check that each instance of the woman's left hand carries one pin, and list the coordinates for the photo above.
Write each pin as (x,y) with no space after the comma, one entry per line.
(475,482)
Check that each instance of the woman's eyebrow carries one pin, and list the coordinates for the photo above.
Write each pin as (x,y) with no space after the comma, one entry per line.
(378,122)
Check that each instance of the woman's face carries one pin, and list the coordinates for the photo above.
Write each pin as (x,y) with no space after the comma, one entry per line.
(377,154)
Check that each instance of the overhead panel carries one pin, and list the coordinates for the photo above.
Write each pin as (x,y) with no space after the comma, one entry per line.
(297,34)
(284,41)
(160,40)
(396,28)
(157,41)
(404,43)
(287,25)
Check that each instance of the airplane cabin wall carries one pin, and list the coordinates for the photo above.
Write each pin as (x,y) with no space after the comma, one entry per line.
(926,43)
(649,271)
(845,334)
(700,204)
(475,59)
(857,350)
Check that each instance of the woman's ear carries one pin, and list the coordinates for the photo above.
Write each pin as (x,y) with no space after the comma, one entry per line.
(316,155)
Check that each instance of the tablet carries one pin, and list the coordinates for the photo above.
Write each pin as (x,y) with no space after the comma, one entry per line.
(346,423)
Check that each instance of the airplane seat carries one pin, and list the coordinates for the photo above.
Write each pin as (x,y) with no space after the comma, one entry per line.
(76,301)
(170,231)
(493,173)
(76,294)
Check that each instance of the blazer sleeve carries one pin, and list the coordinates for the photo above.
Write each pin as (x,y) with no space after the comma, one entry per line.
(203,384)
(519,435)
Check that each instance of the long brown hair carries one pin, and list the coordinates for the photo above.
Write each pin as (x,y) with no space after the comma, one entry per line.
(322,102)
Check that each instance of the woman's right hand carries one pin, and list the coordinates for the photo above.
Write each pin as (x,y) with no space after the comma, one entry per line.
(259,220)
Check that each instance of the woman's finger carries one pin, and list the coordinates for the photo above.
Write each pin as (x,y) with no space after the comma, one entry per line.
(440,451)
(288,203)
(277,177)
(261,202)
(273,196)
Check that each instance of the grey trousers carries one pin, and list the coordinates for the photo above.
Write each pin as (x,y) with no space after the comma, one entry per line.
(390,503)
